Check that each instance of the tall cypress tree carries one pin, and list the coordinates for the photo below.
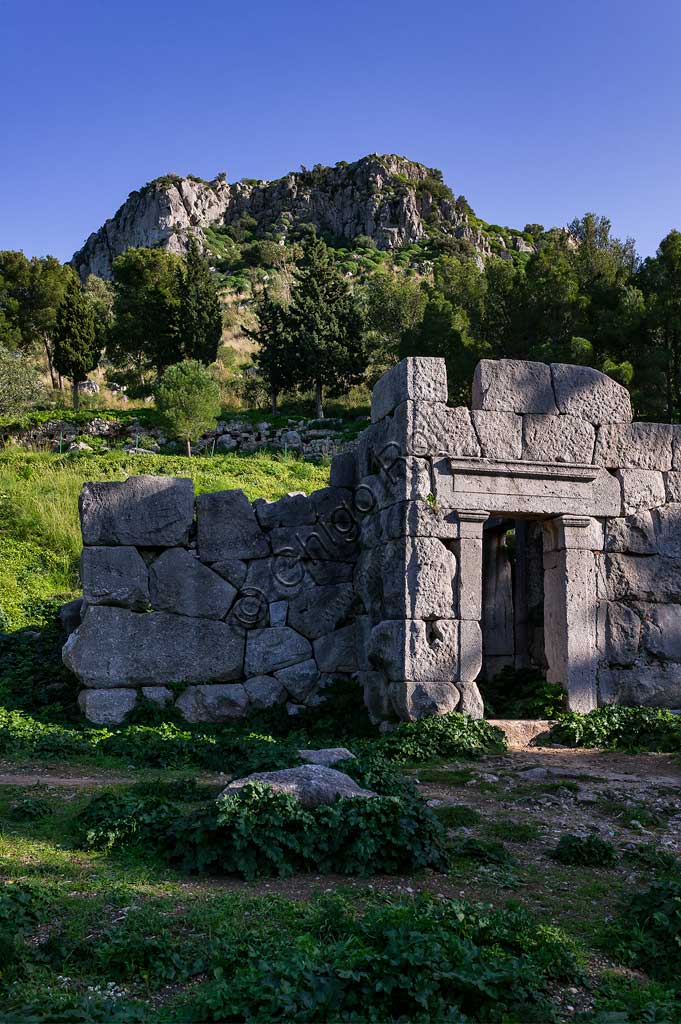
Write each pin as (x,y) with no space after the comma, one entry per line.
(76,352)
(200,316)
(324,326)
(277,355)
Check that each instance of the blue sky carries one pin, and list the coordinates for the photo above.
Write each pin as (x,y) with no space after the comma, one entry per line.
(536,111)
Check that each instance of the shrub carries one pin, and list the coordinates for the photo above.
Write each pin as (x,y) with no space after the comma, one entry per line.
(514,831)
(620,728)
(114,819)
(441,736)
(483,851)
(17,914)
(648,935)
(457,816)
(30,809)
(653,857)
(522,693)
(587,851)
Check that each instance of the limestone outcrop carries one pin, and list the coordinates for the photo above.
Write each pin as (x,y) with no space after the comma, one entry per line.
(398,575)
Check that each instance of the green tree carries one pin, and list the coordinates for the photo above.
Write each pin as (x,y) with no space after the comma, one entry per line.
(76,351)
(393,304)
(100,296)
(199,314)
(144,336)
(660,280)
(30,293)
(324,326)
(188,398)
(276,357)
(20,384)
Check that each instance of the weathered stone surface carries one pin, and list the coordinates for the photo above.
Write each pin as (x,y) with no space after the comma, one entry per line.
(672,482)
(651,685)
(414,650)
(640,578)
(344,469)
(634,446)
(213,703)
(513,385)
(265,691)
(409,519)
(106,707)
(273,648)
(499,434)
(146,511)
(291,510)
(276,579)
(179,583)
(310,784)
(327,756)
(422,379)
(411,700)
(582,391)
(233,570)
(278,613)
(470,650)
(418,576)
(642,489)
(318,610)
(471,702)
(403,479)
(622,633)
(227,527)
(69,615)
(319,543)
(662,631)
(327,573)
(117,647)
(335,510)
(335,652)
(668,530)
(633,535)
(300,680)
(558,439)
(433,429)
(156,694)
(376,691)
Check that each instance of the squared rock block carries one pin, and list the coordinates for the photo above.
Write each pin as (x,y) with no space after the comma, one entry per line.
(421,379)
(336,651)
(404,479)
(642,489)
(160,695)
(227,527)
(413,700)
(588,393)
(180,584)
(641,578)
(115,576)
(116,647)
(415,650)
(419,579)
(499,433)
(265,692)
(558,439)
(471,702)
(233,570)
(470,652)
(319,543)
(622,633)
(368,582)
(651,685)
(142,511)
(106,707)
(667,522)
(278,613)
(425,429)
(633,535)
(662,631)
(344,469)
(300,680)
(416,519)
(376,690)
(513,385)
(319,610)
(335,509)
(634,446)
(672,482)
(276,578)
(213,703)
(273,648)
(291,510)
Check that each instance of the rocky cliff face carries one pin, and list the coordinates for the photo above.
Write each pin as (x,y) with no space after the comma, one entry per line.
(390,199)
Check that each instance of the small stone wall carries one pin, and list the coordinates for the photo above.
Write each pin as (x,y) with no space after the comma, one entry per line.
(379,576)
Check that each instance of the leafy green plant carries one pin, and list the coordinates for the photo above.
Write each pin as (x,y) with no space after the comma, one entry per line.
(30,809)
(587,851)
(457,816)
(652,857)
(522,693)
(648,933)
(620,728)
(514,831)
(482,851)
(441,736)
(18,912)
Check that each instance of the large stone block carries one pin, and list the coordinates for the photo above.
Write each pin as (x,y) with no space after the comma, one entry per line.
(318,610)
(116,647)
(300,680)
(265,691)
(368,581)
(421,379)
(499,433)
(233,570)
(405,478)
(634,446)
(668,530)
(213,703)
(633,535)
(310,784)
(411,700)
(114,576)
(227,527)
(142,511)
(641,578)
(275,579)
(273,648)
(471,702)
(335,509)
(558,439)
(647,684)
(419,577)
(319,543)
(622,633)
(662,631)
(335,652)
(587,393)
(409,519)
(106,707)
(470,650)
(513,385)
(292,510)
(673,485)
(642,489)
(414,650)
(344,469)
(179,583)
(433,429)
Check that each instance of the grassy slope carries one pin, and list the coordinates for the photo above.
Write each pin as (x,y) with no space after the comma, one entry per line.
(39,531)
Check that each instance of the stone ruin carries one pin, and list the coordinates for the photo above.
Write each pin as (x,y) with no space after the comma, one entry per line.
(540,528)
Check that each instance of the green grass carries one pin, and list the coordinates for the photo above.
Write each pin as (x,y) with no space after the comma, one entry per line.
(39,529)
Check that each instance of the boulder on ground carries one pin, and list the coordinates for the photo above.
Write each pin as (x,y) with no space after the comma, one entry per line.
(310,784)
(327,756)
(106,707)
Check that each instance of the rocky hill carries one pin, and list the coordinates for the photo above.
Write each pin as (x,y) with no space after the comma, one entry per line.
(392,200)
